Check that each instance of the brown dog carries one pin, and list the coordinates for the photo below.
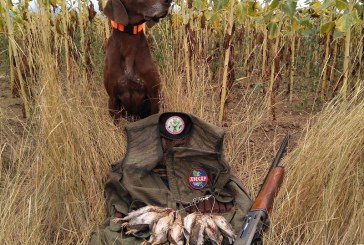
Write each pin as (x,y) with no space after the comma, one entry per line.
(131,79)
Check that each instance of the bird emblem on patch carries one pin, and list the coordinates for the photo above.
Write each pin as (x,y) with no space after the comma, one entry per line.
(175,125)
(198,179)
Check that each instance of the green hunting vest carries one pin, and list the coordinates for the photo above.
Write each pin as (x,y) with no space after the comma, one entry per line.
(133,183)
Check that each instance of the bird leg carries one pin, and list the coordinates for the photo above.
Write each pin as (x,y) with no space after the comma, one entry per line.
(145,242)
(131,231)
(125,224)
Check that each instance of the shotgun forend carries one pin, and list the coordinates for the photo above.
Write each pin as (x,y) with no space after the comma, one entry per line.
(269,190)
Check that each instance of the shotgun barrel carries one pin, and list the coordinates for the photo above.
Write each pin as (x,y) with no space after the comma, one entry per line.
(280,152)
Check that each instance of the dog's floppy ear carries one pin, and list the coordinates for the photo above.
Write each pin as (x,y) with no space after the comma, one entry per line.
(115,10)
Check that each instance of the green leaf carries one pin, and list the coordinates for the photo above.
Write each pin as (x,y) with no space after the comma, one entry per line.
(354,16)
(343,24)
(337,35)
(315,5)
(200,5)
(251,8)
(208,14)
(267,17)
(221,4)
(239,12)
(272,30)
(215,21)
(289,8)
(306,32)
(274,4)
(346,21)
(306,22)
(326,4)
(247,8)
(295,24)
(276,18)
(359,8)
(314,8)
(257,8)
(341,4)
(327,27)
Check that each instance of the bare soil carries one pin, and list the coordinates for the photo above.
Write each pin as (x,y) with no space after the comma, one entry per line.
(11,120)
(290,118)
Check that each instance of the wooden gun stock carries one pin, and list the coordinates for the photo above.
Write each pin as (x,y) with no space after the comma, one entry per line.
(269,190)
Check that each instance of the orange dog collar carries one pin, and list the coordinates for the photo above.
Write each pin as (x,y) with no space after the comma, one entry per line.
(131,29)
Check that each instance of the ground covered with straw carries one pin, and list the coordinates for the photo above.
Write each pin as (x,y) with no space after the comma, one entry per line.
(54,163)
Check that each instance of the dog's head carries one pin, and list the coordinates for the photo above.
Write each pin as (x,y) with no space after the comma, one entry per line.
(135,11)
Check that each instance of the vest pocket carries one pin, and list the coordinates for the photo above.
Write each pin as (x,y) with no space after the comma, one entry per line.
(229,216)
(242,202)
(194,173)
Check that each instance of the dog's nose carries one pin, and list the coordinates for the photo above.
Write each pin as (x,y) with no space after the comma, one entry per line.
(168,1)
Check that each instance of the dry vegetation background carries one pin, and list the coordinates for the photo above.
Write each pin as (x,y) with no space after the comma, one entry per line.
(55,160)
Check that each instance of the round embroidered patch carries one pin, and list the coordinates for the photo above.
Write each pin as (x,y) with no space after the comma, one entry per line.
(175,125)
(198,179)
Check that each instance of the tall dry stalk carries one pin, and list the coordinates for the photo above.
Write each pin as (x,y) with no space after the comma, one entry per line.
(345,84)
(324,69)
(273,68)
(65,23)
(227,47)
(186,45)
(293,66)
(334,60)
(264,54)
(359,80)
(14,54)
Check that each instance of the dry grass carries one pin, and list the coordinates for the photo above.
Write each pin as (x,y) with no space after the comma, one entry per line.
(321,201)
(51,189)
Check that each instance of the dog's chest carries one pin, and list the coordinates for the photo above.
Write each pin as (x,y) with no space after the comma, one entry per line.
(133,83)
(131,77)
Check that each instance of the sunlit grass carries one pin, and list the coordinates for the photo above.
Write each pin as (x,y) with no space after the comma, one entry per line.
(52,177)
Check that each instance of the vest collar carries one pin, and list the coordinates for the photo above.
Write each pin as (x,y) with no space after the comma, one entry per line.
(130,29)
(145,146)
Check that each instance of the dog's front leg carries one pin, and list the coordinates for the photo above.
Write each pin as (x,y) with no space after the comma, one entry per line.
(148,72)
(152,83)
(115,109)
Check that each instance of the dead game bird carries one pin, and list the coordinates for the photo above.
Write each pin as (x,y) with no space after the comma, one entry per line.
(225,228)
(188,223)
(197,235)
(212,232)
(160,230)
(142,222)
(175,234)
(142,219)
(143,210)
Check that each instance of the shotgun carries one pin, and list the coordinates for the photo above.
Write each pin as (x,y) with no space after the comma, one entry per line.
(256,220)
